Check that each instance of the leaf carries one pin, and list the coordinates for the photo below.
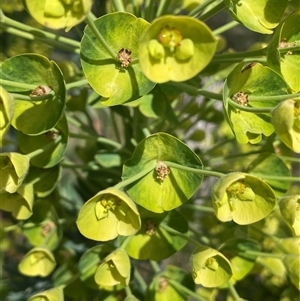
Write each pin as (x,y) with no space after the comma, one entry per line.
(268,164)
(36,70)
(108,214)
(14,167)
(6,111)
(53,155)
(260,16)
(210,268)
(242,198)
(152,241)
(240,85)
(161,64)
(178,186)
(120,31)
(286,62)
(54,294)
(59,14)
(39,261)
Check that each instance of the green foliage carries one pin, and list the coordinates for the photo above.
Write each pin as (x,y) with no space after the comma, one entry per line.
(112,138)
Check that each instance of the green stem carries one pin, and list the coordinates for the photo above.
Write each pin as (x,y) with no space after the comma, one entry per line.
(40,177)
(200,208)
(233,291)
(40,35)
(220,6)
(197,10)
(77,84)
(11,228)
(261,254)
(162,7)
(272,97)
(136,8)
(155,266)
(196,91)
(194,170)
(149,9)
(225,27)
(250,109)
(118,5)
(44,148)
(140,280)
(89,21)
(181,288)
(239,55)
(136,177)
(179,234)
(102,140)
(278,178)
(33,98)
(21,85)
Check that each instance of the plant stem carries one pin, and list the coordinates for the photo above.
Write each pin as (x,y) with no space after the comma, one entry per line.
(200,208)
(196,91)
(250,109)
(21,85)
(89,21)
(136,177)
(181,288)
(212,11)
(225,27)
(155,266)
(77,84)
(149,9)
(272,97)
(182,235)
(197,10)
(44,148)
(238,55)
(233,291)
(162,7)
(118,5)
(32,33)
(32,98)
(278,178)
(194,170)
(140,280)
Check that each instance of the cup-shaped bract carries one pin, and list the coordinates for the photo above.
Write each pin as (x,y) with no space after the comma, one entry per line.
(114,270)
(53,294)
(38,261)
(108,214)
(175,48)
(286,121)
(6,110)
(243,198)
(14,168)
(290,211)
(59,13)
(18,203)
(210,268)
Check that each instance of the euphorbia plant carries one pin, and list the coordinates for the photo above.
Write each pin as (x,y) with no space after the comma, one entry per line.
(147,157)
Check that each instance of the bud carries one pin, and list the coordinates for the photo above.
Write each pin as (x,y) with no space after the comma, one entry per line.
(186,50)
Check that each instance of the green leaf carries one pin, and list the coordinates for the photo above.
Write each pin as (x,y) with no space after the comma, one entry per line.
(163,188)
(18,203)
(108,214)
(59,14)
(43,227)
(89,262)
(6,111)
(52,155)
(14,168)
(242,198)
(54,294)
(175,48)
(236,249)
(243,83)
(260,16)
(114,270)
(152,241)
(120,31)
(210,268)
(36,70)
(268,164)
(286,121)
(161,289)
(38,261)
(286,62)
(290,211)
